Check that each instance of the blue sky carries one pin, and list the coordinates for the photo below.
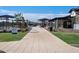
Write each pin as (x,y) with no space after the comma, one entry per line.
(39,9)
(34,13)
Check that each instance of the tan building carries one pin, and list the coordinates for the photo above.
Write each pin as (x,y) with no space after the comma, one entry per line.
(75,14)
(70,22)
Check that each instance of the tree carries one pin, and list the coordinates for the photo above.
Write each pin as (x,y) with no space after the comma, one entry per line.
(20,21)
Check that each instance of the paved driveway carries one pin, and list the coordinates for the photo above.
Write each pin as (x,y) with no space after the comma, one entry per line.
(38,40)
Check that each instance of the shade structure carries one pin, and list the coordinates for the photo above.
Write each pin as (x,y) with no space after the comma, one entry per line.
(6,25)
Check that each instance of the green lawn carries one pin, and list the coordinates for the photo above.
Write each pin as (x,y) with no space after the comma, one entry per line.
(70,38)
(4,37)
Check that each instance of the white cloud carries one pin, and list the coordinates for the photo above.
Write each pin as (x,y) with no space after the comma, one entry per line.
(2,12)
(32,16)
(35,17)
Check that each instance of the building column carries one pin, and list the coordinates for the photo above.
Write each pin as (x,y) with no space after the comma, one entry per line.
(56,25)
(76,24)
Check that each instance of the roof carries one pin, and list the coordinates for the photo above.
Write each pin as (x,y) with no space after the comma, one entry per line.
(59,18)
(7,16)
(74,9)
(43,19)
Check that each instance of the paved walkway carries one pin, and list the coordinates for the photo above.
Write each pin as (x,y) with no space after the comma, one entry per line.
(38,40)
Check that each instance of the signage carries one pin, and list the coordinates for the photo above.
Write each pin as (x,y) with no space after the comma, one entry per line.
(14,30)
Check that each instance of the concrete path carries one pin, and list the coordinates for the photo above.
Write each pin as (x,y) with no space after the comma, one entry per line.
(38,40)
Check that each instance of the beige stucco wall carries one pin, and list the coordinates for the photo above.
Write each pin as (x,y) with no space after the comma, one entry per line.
(76,24)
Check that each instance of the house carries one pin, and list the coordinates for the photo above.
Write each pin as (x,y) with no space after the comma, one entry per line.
(61,22)
(67,22)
